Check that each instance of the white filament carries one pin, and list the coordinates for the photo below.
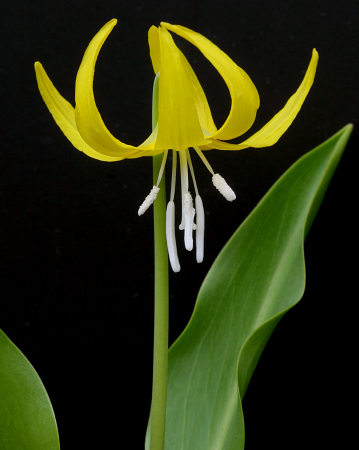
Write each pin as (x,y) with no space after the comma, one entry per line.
(200,229)
(173,178)
(204,159)
(162,168)
(222,186)
(171,237)
(192,171)
(151,197)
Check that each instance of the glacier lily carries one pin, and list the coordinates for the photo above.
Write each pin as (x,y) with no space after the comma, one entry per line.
(184,120)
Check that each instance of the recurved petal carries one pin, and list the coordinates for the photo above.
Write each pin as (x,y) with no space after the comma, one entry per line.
(88,119)
(276,127)
(178,122)
(64,114)
(244,95)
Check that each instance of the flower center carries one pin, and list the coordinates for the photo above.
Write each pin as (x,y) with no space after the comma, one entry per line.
(189,212)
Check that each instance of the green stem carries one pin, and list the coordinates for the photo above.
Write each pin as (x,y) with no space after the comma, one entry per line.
(160,346)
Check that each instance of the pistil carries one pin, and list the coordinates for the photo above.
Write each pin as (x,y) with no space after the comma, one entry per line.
(188,215)
(199,215)
(188,211)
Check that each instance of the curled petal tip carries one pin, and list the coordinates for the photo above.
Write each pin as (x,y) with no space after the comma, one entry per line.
(315,56)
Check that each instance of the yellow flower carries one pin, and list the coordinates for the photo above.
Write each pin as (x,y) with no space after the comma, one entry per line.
(184,118)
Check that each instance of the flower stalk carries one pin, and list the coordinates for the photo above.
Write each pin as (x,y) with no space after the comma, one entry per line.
(160,346)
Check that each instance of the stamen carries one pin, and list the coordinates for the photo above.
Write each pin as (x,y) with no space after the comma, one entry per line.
(192,171)
(160,173)
(204,159)
(173,179)
(151,197)
(220,183)
(171,237)
(200,229)
(188,214)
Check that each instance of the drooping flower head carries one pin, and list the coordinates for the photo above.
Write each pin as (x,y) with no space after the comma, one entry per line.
(184,120)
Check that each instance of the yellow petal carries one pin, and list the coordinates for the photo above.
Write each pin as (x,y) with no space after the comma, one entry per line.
(200,100)
(64,114)
(88,119)
(199,97)
(155,49)
(244,95)
(276,127)
(178,122)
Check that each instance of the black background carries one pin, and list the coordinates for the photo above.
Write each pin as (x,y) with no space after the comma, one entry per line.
(76,262)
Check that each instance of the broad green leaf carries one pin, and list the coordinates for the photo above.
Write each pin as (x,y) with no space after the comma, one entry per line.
(27,421)
(256,279)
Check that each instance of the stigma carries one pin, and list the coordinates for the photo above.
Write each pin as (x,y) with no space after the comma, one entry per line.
(192,213)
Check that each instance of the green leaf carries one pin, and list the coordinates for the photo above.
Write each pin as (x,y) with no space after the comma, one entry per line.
(27,421)
(256,279)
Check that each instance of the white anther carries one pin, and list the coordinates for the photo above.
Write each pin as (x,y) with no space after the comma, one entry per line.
(200,229)
(188,215)
(151,197)
(220,183)
(171,237)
